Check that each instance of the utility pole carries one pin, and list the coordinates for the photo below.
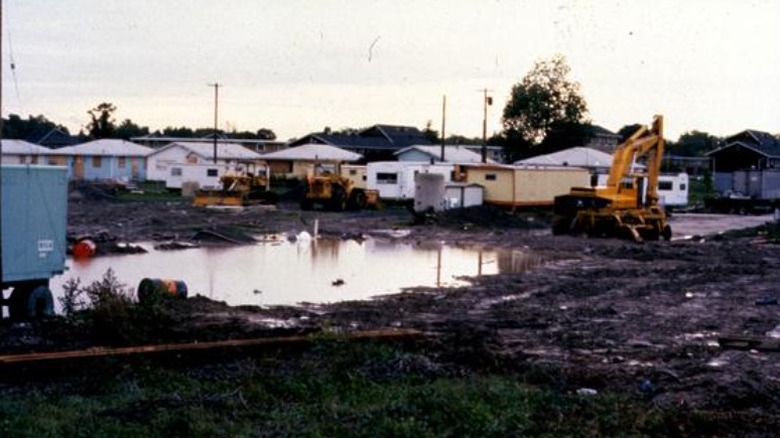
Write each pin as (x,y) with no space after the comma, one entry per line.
(216,113)
(443,120)
(487,100)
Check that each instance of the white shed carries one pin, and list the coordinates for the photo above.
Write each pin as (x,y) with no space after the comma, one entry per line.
(394,180)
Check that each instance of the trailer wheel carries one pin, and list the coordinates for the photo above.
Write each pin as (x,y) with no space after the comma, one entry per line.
(357,200)
(28,303)
(666,233)
(338,200)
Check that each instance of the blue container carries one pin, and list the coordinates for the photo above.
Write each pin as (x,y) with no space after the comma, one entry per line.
(34,222)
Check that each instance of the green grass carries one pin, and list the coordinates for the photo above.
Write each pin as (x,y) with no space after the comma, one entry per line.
(337,389)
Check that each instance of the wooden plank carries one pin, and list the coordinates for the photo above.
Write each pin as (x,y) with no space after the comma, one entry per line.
(257,343)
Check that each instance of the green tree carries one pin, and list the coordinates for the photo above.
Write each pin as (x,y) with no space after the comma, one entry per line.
(628,130)
(17,128)
(266,134)
(544,101)
(127,130)
(431,134)
(102,124)
(694,144)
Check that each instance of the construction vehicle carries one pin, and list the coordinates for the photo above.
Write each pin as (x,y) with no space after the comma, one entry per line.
(240,188)
(326,186)
(627,206)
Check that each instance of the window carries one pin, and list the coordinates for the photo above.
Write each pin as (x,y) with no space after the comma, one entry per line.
(490,177)
(665,186)
(353,172)
(386,178)
(97,162)
(212,172)
(682,187)
(175,171)
(121,163)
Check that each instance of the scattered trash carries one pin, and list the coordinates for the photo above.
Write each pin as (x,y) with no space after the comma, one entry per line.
(587,391)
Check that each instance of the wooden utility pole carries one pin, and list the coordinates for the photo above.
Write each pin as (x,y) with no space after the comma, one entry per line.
(216,116)
(443,121)
(487,100)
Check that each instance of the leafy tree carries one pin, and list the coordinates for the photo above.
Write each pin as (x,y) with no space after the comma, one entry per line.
(627,130)
(103,123)
(127,130)
(17,128)
(431,134)
(182,131)
(266,134)
(694,144)
(545,100)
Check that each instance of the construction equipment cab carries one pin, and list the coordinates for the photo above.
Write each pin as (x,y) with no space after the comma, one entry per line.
(326,186)
(628,205)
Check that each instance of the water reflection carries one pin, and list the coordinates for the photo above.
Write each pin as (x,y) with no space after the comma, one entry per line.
(278,271)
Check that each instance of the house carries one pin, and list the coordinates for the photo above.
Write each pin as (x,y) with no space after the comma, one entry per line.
(184,161)
(432,154)
(602,139)
(524,186)
(296,162)
(23,152)
(377,143)
(745,151)
(106,159)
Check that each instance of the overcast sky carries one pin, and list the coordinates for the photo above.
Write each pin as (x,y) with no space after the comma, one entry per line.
(297,66)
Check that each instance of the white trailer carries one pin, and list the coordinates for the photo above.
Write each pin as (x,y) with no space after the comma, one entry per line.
(205,175)
(672,188)
(394,180)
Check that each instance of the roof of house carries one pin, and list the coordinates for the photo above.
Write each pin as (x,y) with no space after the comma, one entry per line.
(22,147)
(377,137)
(762,142)
(225,151)
(107,147)
(452,154)
(577,156)
(313,152)
(52,138)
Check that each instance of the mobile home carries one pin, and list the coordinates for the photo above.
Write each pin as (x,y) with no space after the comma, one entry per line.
(525,186)
(394,180)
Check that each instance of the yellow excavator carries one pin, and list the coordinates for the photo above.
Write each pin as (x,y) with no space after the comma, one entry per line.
(627,207)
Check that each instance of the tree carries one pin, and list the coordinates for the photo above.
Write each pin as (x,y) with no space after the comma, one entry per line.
(543,101)
(694,144)
(128,130)
(266,134)
(17,128)
(431,134)
(102,124)
(627,131)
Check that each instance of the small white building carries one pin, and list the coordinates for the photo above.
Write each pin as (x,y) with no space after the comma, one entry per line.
(23,152)
(394,180)
(181,162)
(454,154)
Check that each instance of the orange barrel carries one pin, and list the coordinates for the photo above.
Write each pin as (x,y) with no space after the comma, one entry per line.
(84,248)
(151,287)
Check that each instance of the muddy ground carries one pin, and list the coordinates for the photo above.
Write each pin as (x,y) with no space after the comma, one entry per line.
(606,315)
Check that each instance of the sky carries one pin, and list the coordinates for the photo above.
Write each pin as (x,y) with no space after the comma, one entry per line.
(298,66)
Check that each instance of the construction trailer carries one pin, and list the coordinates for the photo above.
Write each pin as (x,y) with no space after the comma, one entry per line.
(433,193)
(524,186)
(34,247)
(395,180)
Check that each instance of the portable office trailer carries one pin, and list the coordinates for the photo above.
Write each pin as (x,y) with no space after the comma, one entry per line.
(34,224)
(206,176)
(525,186)
(394,180)
(355,173)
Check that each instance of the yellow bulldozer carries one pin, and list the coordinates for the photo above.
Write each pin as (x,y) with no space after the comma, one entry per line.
(324,185)
(240,188)
(627,206)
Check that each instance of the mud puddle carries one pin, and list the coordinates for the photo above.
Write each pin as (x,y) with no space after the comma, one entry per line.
(282,270)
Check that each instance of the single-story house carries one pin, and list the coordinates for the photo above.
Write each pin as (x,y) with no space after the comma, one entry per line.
(432,154)
(296,162)
(183,161)
(106,159)
(747,151)
(24,152)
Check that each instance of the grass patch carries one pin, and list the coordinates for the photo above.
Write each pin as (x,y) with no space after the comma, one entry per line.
(334,389)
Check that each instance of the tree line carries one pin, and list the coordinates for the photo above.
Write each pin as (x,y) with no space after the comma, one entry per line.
(545,113)
(103,124)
